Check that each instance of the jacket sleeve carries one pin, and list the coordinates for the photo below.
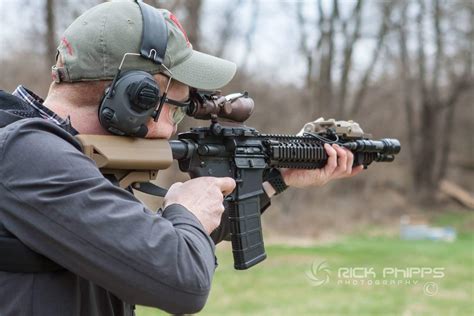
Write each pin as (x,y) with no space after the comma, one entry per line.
(55,200)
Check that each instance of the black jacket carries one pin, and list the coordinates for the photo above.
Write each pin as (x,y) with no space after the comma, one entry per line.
(115,251)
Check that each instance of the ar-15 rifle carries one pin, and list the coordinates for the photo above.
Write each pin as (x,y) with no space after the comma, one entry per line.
(228,148)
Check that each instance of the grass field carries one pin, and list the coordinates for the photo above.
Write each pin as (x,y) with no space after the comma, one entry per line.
(286,283)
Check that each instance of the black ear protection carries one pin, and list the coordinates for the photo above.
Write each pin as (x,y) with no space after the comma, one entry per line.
(134,96)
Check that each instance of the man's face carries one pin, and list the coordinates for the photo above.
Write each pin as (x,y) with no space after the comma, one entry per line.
(165,127)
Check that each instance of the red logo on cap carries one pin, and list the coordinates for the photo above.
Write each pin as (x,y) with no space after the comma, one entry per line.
(66,43)
(176,22)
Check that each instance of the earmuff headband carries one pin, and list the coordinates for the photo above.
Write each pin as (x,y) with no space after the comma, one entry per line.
(154,42)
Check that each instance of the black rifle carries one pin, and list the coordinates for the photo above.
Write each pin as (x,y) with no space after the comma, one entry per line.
(230,149)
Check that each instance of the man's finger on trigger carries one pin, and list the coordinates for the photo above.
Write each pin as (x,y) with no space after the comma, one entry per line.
(226,185)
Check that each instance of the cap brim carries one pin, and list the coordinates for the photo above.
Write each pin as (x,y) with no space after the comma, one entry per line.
(204,71)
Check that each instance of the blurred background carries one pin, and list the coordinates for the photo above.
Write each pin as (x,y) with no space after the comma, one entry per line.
(401,69)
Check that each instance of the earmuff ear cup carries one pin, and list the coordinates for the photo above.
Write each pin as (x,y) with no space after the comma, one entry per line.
(126,109)
(130,106)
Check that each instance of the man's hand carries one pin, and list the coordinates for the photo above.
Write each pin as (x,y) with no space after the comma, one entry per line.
(339,165)
(203,197)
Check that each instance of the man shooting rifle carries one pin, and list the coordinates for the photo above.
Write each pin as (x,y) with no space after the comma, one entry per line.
(73,242)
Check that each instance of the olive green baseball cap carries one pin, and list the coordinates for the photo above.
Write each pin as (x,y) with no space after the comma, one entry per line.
(93,46)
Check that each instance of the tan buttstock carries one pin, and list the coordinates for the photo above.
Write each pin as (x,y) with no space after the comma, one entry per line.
(130,159)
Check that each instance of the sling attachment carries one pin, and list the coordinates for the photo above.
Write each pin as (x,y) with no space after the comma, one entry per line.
(150,188)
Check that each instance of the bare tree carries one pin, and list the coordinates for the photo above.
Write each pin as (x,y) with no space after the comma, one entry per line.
(192,22)
(325,46)
(351,39)
(430,107)
(407,81)
(226,31)
(305,49)
(189,13)
(248,35)
(432,84)
(319,70)
(333,94)
(361,92)
(50,35)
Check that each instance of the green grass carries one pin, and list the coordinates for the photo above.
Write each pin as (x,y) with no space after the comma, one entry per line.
(281,286)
